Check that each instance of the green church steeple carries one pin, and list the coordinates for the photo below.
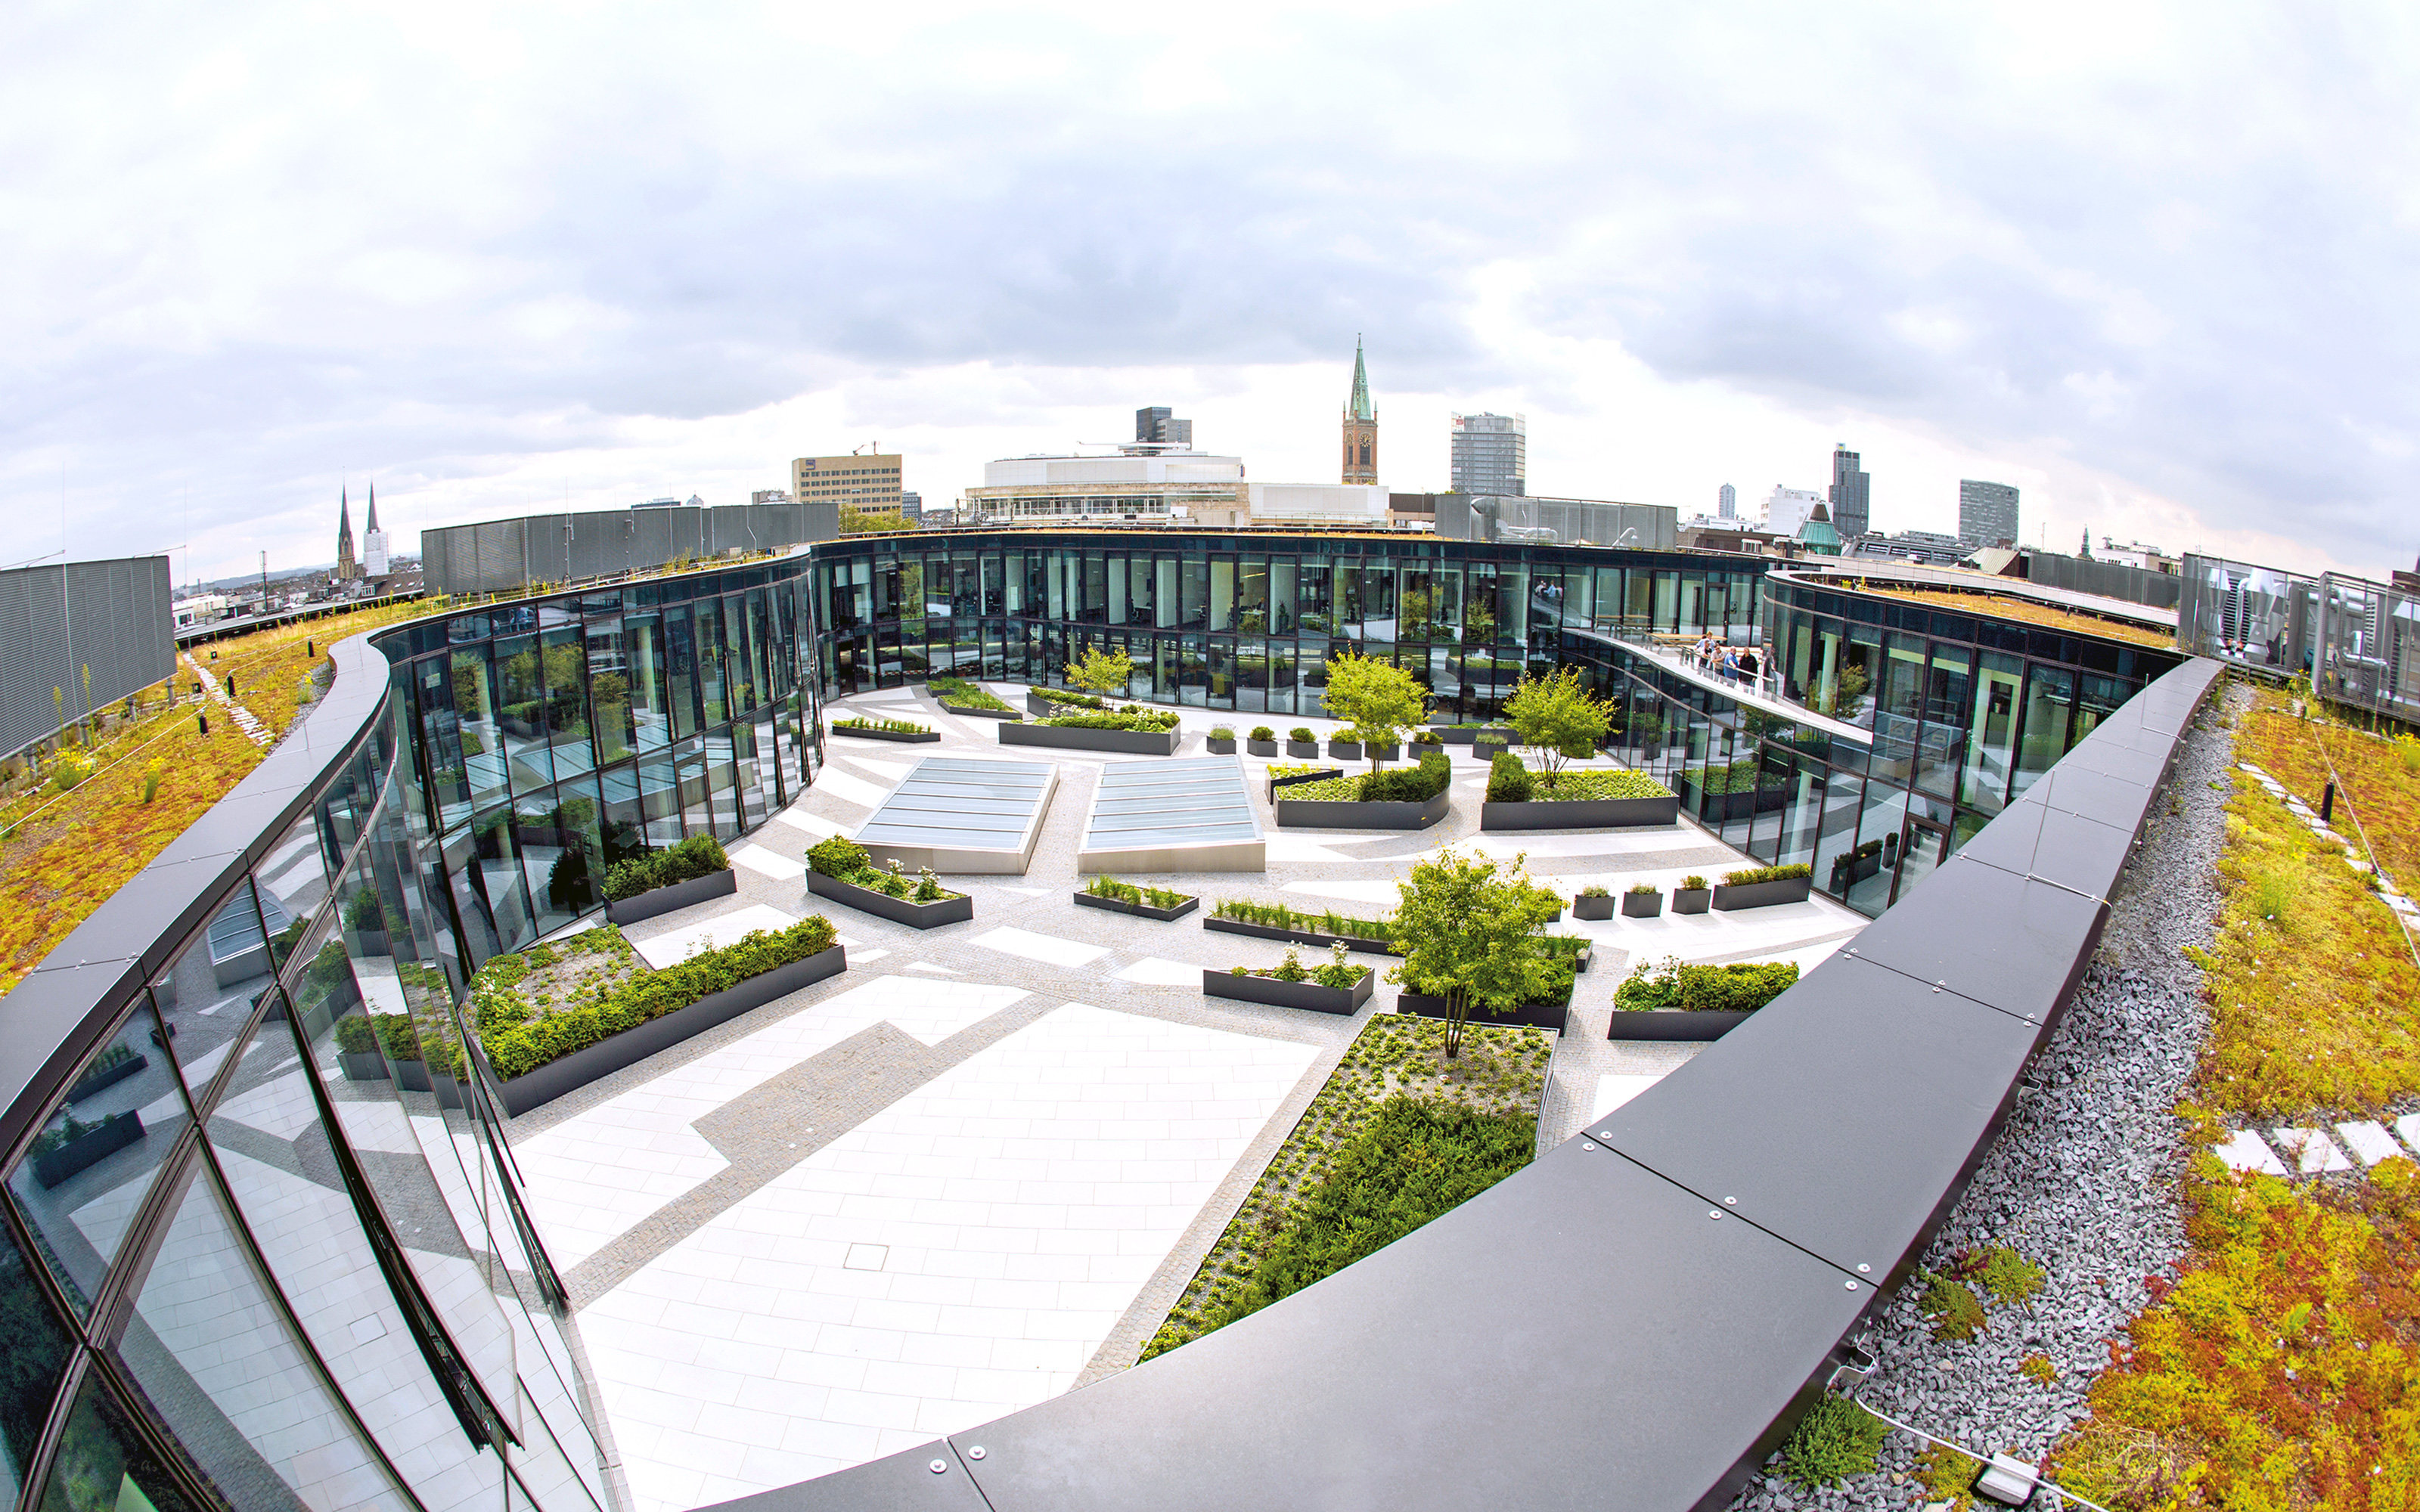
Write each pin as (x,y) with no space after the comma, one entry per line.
(1361,410)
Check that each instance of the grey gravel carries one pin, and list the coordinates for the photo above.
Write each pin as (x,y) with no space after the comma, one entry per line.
(2081,1182)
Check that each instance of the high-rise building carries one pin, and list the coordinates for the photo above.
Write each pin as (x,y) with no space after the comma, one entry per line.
(1850,514)
(1728,508)
(1987,513)
(1491,455)
(1158,426)
(867,482)
(373,564)
(1361,426)
(346,566)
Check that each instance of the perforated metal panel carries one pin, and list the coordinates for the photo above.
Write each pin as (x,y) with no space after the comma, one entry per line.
(112,617)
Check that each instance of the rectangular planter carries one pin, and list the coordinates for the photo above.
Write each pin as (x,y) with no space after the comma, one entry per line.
(1320,776)
(1487,751)
(1469,736)
(1690,900)
(1130,742)
(1555,1016)
(1046,708)
(1260,748)
(898,910)
(1316,813)
(363,1066)
(1642,905)
(664,900)
(1344,750)
(1303,750)
(1119,905)
(1276,994)
(1592,907)
(909,738)
(570,1073)
(1848,871)
(973,713)
(1586,814)
(52,1166)
(1674,1024)
(1221,748)
(411,1075)
(1761,894)
(1217,925)
(111,1077)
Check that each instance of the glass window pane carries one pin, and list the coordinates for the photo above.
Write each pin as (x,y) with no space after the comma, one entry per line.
(34,1344)
(281,1171)
(567,702)
(520,698)
(105,1466)
(209,990)
(209,1350)
(647,685)
(479,726)
(100,1148)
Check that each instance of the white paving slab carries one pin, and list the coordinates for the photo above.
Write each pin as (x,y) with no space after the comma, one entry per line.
(1381,892)
(1614,1089)
(1294,850)
(848,789)
(2369,1142)
(2310,1150)
(799,819)
(1020,1199)
(595,1175)
(677,945)
(763,862)
(1047,948)
(1154,971)
(2246,1152)
(2408,1127)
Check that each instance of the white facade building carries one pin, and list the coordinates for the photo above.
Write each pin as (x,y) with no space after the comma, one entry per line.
(1162,485)
(1788,511)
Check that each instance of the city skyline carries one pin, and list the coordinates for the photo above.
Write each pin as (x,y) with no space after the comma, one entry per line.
(490,309)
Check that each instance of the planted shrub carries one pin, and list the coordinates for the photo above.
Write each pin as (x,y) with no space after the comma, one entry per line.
(1277,916)
(1063,695)
(1108,887)
(1133,716)
(1302,732)
(1262,732)
(839,857)
(1733,989)
(898,727)
(1595,889)
(1643,889)
(1408,785)
(1955,1312)
(1748,876)
(966,695)
(696,857)
(1222,732)
(1837,1438)
(1508,781)
(356,1035)
(1692,883)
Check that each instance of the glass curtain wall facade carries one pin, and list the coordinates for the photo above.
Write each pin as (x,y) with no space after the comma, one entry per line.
(265,1246)
(1248,622)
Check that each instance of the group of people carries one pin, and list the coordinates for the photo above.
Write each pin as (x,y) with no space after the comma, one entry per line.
(1732,664)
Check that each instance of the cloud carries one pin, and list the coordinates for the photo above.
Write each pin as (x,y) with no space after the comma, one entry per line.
(2144,259)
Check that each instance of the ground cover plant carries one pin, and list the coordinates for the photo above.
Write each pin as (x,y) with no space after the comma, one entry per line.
(1510,781)
(899,727)
(65,853)
(550,1001)
(2282,1366)
(1750,875)
(2031,612)
(965,695)
(1397,1134)
(2377,777)
(844,860)
(682,861)
(1277,916)
(1069,696)
(1399,784)
(1836,1440)
(1336,972)
(1132,717)
(1740,988)
(1127,892)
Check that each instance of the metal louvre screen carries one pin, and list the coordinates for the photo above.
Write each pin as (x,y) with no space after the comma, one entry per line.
(111,617)
(500,556)
(2104,579)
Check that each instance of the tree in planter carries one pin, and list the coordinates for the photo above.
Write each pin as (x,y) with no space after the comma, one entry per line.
(1102,672)
(1378,699)
(1557,716)
(1475,934)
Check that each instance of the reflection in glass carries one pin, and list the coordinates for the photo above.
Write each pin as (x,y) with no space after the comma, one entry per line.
(103,1465)
(210,1352)
(34,1347)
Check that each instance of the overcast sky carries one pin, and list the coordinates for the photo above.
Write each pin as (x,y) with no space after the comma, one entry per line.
(2153,265)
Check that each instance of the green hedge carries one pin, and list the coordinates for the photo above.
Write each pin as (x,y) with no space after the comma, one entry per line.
(1147,721)
(516,1050)
(1748,876)
(1733,989)
(1063,695)
(697,856)
(1509,781)
(897,727)
(964,694)
(1398,785)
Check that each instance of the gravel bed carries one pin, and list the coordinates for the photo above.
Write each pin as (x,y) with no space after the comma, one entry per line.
(2081,1181)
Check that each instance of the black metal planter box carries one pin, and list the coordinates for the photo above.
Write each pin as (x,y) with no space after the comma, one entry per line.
(1261,747)
(1276,994)
(98,1144)
(1674,1024)
(1315,813)
(111,1077)
(955,910)
(1078,737)
(1761,894)
(1585,814)
(570,1073)
(972,713)
(1047,708)
(1220,745)
(1217,925)
(1469,736)
(1690,900)
(862,732)
(362,1065)
(1555,1016)
(1303,750)
(1322,774)
(664,900)
(1642,905)
(1119,905)
(1588,907)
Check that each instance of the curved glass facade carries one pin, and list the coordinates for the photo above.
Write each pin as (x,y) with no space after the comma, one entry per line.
(264,1244)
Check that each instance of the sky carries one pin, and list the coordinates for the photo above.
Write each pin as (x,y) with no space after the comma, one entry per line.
(2151,264)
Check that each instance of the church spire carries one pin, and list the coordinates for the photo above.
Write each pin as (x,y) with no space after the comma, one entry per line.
(345,559)
(1360,425)
(371,528)
(1361,410)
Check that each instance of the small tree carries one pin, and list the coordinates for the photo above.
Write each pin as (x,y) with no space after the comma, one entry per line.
(1378,699)
(1556,717)
(1472,933)
(1102,672)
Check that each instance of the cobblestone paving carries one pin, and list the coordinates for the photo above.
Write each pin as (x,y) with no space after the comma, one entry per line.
(771,1124)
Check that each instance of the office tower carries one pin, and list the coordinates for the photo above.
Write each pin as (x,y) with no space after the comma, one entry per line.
(373,541)
(1850,515)
(1491,455)
(1987,513)
(1729,508)
(868,482)
(1361,426)
(1156,425)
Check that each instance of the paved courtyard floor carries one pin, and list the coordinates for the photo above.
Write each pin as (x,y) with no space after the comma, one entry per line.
(976,1170)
